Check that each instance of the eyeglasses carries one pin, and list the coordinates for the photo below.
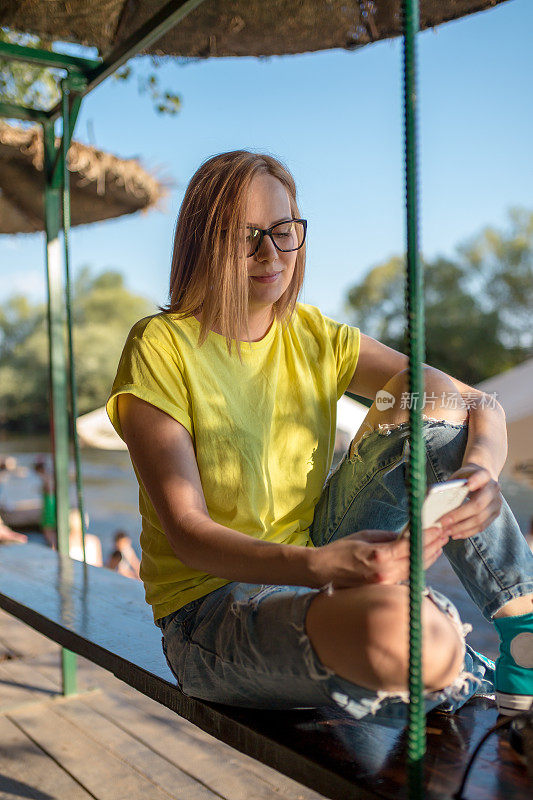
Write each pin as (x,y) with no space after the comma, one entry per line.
(285,236)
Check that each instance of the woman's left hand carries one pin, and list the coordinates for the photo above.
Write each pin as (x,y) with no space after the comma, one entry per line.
(481,507)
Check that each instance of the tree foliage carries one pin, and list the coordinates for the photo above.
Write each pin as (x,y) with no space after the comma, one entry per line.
(478,304)
(28,84)
(103,311)
(39,87)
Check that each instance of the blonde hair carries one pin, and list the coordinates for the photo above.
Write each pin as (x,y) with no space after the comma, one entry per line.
(209,273)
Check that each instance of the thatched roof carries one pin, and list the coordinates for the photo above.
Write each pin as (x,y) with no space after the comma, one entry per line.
(102,186)
(230,27)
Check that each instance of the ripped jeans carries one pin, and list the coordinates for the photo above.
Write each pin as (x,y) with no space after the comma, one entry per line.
(246,645)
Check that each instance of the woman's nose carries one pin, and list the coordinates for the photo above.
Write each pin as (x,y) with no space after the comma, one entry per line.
(267,251)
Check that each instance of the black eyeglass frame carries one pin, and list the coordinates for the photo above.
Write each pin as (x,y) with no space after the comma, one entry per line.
(268,232)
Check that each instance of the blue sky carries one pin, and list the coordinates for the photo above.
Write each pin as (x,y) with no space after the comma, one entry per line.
(335,119)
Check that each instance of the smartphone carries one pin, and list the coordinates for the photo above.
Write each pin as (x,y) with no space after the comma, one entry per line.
(441,498)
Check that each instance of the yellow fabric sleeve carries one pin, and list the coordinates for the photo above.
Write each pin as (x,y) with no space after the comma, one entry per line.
(150,372)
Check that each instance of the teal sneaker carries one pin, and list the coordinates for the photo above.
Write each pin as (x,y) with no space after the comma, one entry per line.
(514,667)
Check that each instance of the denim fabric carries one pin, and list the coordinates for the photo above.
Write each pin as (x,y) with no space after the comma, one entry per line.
(246,645)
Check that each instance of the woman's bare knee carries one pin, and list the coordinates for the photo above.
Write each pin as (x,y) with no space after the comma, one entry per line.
(362,634)
(441,400)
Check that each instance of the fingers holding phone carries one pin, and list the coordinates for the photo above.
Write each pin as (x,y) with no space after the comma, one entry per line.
(481,507)
(441,500)
(458,507)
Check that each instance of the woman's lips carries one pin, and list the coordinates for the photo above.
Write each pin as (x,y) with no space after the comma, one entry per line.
(266,278)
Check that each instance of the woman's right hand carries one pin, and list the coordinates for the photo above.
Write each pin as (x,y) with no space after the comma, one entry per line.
(372,556)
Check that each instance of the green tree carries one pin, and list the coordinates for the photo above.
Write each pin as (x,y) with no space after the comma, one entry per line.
(501,268)
(23,365)
(478,305)
(103,312)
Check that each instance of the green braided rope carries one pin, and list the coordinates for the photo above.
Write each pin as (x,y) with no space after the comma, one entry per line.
(417,457)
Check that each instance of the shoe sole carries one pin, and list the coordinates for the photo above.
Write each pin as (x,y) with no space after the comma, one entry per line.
(511,704)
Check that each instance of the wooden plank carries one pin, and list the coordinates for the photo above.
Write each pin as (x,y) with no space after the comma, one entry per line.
(26,771)
(178,727)
(138,754)
(21,683)
(101,773)
(227,772)
(205,759)
(140,739)
(5,652)
(20,640)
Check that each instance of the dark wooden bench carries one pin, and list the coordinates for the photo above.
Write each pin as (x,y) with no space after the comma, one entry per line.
(103,617)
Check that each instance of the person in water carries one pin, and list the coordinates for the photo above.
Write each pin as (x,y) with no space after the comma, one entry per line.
(123,559)
(275,585)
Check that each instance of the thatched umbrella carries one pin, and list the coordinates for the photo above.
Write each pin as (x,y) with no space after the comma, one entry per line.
(102,186)
(231,27)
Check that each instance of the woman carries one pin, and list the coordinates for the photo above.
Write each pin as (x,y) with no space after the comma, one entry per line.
(272,589)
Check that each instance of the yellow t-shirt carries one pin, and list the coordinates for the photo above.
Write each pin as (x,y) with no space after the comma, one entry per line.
(263,430)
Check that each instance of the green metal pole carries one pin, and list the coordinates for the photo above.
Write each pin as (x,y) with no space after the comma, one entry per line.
(67,137)
(13,111)
(58,371)
(417,455)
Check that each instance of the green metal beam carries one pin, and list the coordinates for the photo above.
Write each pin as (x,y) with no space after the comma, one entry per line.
(152,30)
(47,58)
(69,670)
(13,111)
(57,339)
(58,365)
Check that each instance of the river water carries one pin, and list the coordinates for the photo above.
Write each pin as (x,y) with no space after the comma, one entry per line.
(111,500)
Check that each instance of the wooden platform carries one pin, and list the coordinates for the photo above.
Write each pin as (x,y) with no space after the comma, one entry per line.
(102,615)
(109,742)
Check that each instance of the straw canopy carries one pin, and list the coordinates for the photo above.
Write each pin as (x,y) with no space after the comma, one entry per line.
(102,186)
(230,27)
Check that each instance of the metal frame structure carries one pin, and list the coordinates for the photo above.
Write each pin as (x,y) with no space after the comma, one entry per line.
(83,75)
